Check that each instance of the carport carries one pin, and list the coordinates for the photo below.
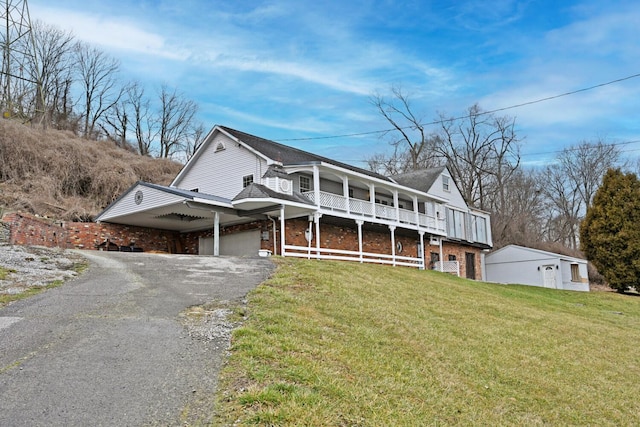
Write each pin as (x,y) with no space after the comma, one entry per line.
(169,208)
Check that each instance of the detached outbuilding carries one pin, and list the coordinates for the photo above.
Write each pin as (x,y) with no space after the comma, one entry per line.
(526,266)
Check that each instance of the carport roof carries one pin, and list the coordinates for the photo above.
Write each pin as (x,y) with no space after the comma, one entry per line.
(184,193)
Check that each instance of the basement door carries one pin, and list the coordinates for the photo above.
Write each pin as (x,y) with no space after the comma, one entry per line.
(470,261)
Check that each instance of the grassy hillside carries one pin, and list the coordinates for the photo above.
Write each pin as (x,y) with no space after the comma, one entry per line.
(57,174)
(345,344)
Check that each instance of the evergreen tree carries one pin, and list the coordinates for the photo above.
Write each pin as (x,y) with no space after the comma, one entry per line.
(610,232)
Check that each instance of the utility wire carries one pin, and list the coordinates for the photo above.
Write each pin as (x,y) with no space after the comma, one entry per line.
(482,113)
(612,144)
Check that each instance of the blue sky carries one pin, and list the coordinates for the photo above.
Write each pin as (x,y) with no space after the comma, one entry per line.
(287,69)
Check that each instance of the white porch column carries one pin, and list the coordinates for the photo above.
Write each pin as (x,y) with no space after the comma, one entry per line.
(317,218)
(345,192)
(316,184)
(309,236)
(421,254)
(414,200)
(372,199)
(216,233)
(441,255)
(396,204)
(359,223)
(393,243)
(282,230)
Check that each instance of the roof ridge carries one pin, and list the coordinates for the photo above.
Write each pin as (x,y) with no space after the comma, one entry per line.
(312,156)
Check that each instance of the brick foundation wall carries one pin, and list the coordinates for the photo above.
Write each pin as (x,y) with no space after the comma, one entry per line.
(459,252)
(25,229)
(346,238)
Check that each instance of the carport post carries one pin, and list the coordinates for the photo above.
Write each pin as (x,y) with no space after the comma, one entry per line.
(216,233)
(282,230)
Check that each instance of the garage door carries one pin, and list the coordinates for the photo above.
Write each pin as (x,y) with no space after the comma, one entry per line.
(246,243)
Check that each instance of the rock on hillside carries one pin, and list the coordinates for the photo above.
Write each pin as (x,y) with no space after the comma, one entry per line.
(57,174)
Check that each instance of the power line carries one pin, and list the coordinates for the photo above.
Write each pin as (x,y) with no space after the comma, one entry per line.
(612,144)
(482,113)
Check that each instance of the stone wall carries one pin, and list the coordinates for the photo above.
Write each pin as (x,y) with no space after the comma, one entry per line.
(5,233)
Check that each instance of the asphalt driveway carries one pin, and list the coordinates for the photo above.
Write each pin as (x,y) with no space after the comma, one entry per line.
(111,348)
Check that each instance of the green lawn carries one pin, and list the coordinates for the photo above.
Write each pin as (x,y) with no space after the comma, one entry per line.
(344,344)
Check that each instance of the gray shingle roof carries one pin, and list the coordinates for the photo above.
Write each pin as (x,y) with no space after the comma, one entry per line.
(276,171)
(289,155)
(259,191)
(421,180)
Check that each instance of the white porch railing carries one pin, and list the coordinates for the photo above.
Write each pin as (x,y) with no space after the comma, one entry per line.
(364,208)
(344,255)
(447,267)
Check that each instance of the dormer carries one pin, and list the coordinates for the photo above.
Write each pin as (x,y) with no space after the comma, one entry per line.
(277,179)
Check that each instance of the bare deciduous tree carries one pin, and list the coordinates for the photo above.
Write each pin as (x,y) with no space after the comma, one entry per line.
(175,118)
(482,151)
(571,183)
(144,123)
(521,217)
(413,145)
(52,68)
(98,78)
(197,136)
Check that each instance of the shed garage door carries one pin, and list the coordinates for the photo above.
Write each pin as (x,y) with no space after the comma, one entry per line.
(246,243)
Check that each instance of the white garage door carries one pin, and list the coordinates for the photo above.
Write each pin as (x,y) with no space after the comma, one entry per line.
(246,243)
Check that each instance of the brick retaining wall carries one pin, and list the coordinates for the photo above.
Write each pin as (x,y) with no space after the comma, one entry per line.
(26,229)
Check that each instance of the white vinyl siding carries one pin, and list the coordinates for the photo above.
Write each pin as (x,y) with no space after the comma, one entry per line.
(151,198)
(330,186)
(221,172)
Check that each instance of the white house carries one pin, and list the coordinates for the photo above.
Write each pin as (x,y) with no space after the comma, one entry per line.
(519,265)
(239,192)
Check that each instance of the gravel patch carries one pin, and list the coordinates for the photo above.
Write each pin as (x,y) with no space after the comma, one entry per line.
(35,266)
(211,323)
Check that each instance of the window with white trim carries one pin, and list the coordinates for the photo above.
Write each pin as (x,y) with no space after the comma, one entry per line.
(247,180)
(445,183)
(305,183)
(456,224)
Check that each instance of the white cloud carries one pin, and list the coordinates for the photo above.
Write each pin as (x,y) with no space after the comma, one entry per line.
(111,32)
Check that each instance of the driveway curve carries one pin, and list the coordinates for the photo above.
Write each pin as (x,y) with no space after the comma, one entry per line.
(109,348)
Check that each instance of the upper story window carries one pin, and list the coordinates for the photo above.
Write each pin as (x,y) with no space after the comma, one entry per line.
(479,229)
(305,183)
(445,183)
(455,224)
(247,180)
(220,147)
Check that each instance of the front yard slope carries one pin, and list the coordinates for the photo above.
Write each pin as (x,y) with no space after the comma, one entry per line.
(344,344)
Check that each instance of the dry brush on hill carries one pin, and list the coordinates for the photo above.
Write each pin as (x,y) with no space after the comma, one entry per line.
(57,174)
